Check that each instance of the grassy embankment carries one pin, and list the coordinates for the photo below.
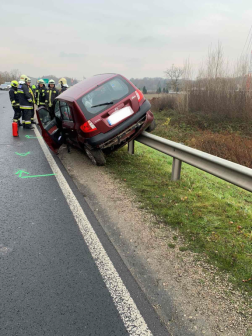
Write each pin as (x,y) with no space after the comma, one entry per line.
(214,216)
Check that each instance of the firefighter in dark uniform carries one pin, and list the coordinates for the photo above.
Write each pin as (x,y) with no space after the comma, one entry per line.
(63,83)
(25,102)
(13,93)
(40,95)
(33,99)
(51,94)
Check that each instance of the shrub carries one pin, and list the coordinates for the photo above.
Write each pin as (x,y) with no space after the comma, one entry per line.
(232,147)
(168,102)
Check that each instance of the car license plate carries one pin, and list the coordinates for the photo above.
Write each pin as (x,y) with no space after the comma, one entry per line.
(120,115)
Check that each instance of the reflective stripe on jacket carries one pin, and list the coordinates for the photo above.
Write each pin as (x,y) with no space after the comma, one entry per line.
(40,95)
(24,97)
(51,94)
(32,94)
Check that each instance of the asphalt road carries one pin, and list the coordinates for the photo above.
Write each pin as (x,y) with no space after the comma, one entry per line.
(51,279)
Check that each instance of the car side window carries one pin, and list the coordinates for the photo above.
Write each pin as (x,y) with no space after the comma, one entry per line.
(57,110)
(65,111)
(44,117)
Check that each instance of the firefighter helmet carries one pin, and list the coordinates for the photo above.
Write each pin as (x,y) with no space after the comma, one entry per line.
(28,80)
(40,81)
(23,78)
(14,83)
(62,81)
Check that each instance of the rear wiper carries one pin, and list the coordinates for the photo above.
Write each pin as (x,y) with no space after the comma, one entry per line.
(108,103)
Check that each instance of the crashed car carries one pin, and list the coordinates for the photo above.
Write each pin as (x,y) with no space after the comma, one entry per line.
(99,115)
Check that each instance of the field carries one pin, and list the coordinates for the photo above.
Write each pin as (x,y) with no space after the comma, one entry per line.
(150,96)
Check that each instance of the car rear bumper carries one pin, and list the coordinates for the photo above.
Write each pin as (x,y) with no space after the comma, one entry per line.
(101,138)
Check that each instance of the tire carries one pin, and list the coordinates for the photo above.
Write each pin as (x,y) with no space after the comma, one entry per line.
(96,156)
(152,126)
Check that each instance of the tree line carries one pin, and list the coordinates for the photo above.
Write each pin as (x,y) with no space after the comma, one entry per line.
(8,76)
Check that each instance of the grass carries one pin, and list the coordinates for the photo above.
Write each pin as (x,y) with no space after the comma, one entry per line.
(184,127)
(214,216)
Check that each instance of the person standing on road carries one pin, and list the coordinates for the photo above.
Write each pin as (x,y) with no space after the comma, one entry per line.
(63,83)
(51,94)
(33,100)
(13,93)
(41,93)
(25,102)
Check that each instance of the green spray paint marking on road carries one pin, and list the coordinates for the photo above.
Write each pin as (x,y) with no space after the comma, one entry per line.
(23,154)
(20,172)
(32,137)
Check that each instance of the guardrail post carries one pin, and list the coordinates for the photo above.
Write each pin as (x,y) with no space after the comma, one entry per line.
(131,147)
(176,169)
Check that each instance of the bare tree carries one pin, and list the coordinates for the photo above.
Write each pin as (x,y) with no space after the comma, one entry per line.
(15,74)
(174,73)
(6,76)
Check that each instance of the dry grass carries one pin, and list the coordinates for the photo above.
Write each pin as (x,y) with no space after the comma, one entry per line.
(231,147)
(150,96)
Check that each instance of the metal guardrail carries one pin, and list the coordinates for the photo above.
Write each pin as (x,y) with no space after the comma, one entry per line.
(224,169)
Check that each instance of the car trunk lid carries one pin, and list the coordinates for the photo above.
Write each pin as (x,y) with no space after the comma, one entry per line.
(116,114)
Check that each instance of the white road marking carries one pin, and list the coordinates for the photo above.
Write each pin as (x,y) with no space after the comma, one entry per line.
(131,316)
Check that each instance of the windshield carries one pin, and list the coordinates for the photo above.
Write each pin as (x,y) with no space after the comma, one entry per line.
(104,95)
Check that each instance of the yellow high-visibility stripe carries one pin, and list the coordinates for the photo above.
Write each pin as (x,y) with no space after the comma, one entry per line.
(50,98)
(27,122)
(26,107)
(13,101)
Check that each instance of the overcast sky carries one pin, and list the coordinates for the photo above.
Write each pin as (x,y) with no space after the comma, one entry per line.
(79,38)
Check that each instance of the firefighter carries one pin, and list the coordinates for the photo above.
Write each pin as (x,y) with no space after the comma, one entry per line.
(25,102)
(51,94)
(40,95)
(63,83)
(33,99)
(13,93)
(64,87)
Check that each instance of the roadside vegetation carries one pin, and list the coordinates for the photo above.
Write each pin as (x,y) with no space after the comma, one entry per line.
(228,139)
(214,114)
(214,216)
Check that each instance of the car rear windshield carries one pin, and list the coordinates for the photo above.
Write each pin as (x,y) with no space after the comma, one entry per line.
(110,92)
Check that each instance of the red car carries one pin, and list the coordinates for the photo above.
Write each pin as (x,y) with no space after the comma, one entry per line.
(98,115)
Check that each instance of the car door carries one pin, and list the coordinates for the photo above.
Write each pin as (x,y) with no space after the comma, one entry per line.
(68,125)
(51,128)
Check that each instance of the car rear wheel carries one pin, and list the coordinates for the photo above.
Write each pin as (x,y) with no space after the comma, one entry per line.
(152,126)
(96,156)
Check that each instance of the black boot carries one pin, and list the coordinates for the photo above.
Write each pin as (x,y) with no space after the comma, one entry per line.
(29,126)
(19,123)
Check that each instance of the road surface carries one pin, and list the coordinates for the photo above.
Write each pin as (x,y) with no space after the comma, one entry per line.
(60,274)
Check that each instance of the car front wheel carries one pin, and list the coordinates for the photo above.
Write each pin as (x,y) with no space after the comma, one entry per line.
(96,156)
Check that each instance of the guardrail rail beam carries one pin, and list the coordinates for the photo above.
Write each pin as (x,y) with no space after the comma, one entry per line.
(226,170)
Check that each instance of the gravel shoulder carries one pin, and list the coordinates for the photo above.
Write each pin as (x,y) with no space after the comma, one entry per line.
(190,296)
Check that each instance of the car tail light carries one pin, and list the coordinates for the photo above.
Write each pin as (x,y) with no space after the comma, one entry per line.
(139,95)
(88,127)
